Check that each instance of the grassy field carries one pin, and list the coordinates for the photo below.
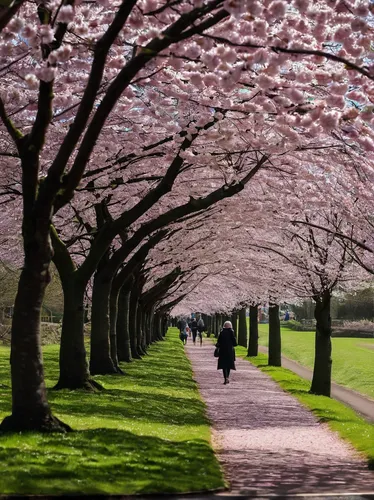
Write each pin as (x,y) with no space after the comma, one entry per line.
(353,359)
(339,417)
(146,433)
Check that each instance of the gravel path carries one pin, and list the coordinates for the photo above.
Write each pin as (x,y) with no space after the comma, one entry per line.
(267,442)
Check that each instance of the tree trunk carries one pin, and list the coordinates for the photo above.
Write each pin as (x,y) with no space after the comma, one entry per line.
(242,332)
(218,324)
(113,317)
(148,325)
(140,330)
(164,323)
(133,325)
(253,331)
(158,326)
(206,320)
(151,315)
(100,361)
(274,336)
(123,334)
(74,372)
(321,382)
(234,321)
(30,409)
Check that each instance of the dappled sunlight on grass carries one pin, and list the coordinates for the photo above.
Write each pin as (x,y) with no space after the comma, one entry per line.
(146,432)
(339,417)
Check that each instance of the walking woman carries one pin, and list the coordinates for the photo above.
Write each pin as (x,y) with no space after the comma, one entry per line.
(226,342)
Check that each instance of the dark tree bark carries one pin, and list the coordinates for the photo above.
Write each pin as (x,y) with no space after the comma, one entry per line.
(133,325)
(274,336)
(321,382)
(234,321)
(74,373)
(123,334)
(113,322)
(101,362)
(30,409)
(242,331)
(158,326)
(140,329)
(213,324)
(253,331)
(218,324)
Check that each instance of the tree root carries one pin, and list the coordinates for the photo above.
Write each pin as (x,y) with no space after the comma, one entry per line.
(45,423)
(88,385)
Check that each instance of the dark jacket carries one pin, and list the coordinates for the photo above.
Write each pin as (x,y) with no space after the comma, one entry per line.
(226,342)
(194,325)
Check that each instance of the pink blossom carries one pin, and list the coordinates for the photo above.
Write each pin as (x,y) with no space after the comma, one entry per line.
(211,80)
(261,56)
(367,114)
(336,101)
(196,79)
(259,28)
(330,120)
(359,25)
(322,77)
(304,76)
(362,9)
(367,143)
(46,33)
(296,95)
(339,89)
(301,5)
(32,82)
(342,33)
(46,73)
(264,82)
(356,95)
(277,9)
(66,14)
(15,25)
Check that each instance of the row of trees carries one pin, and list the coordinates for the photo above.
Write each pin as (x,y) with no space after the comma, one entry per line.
(128,126)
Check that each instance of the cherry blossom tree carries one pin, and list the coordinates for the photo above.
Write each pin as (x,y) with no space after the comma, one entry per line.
(71,71)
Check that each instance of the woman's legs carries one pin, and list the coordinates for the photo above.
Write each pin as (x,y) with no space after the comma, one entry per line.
(194,334)
(226,374)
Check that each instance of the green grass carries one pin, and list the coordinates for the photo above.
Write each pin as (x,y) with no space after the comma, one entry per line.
(353,358)
(339,417)
(146,433)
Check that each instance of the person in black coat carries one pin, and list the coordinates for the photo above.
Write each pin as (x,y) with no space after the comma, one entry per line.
(226,342)
(194,328)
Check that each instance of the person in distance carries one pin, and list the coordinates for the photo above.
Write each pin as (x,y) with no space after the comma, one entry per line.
(226,343)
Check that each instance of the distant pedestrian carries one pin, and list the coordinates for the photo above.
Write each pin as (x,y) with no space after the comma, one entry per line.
(226,342)
(184,335)
(194,329)
(200,329)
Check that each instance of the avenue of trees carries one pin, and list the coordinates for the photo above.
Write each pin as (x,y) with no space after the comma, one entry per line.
(170,156)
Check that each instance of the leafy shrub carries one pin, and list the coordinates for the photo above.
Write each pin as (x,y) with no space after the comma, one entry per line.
(295,325)
(362,326)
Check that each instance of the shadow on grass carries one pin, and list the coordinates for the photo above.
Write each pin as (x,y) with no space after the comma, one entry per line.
(118,404)
(145,433)
(105,461)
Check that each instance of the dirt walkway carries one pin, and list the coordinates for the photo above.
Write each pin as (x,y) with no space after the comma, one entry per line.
(267,442)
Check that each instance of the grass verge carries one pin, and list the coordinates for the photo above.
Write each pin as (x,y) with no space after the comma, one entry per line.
(339,417)
(146,433)
(353,358)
